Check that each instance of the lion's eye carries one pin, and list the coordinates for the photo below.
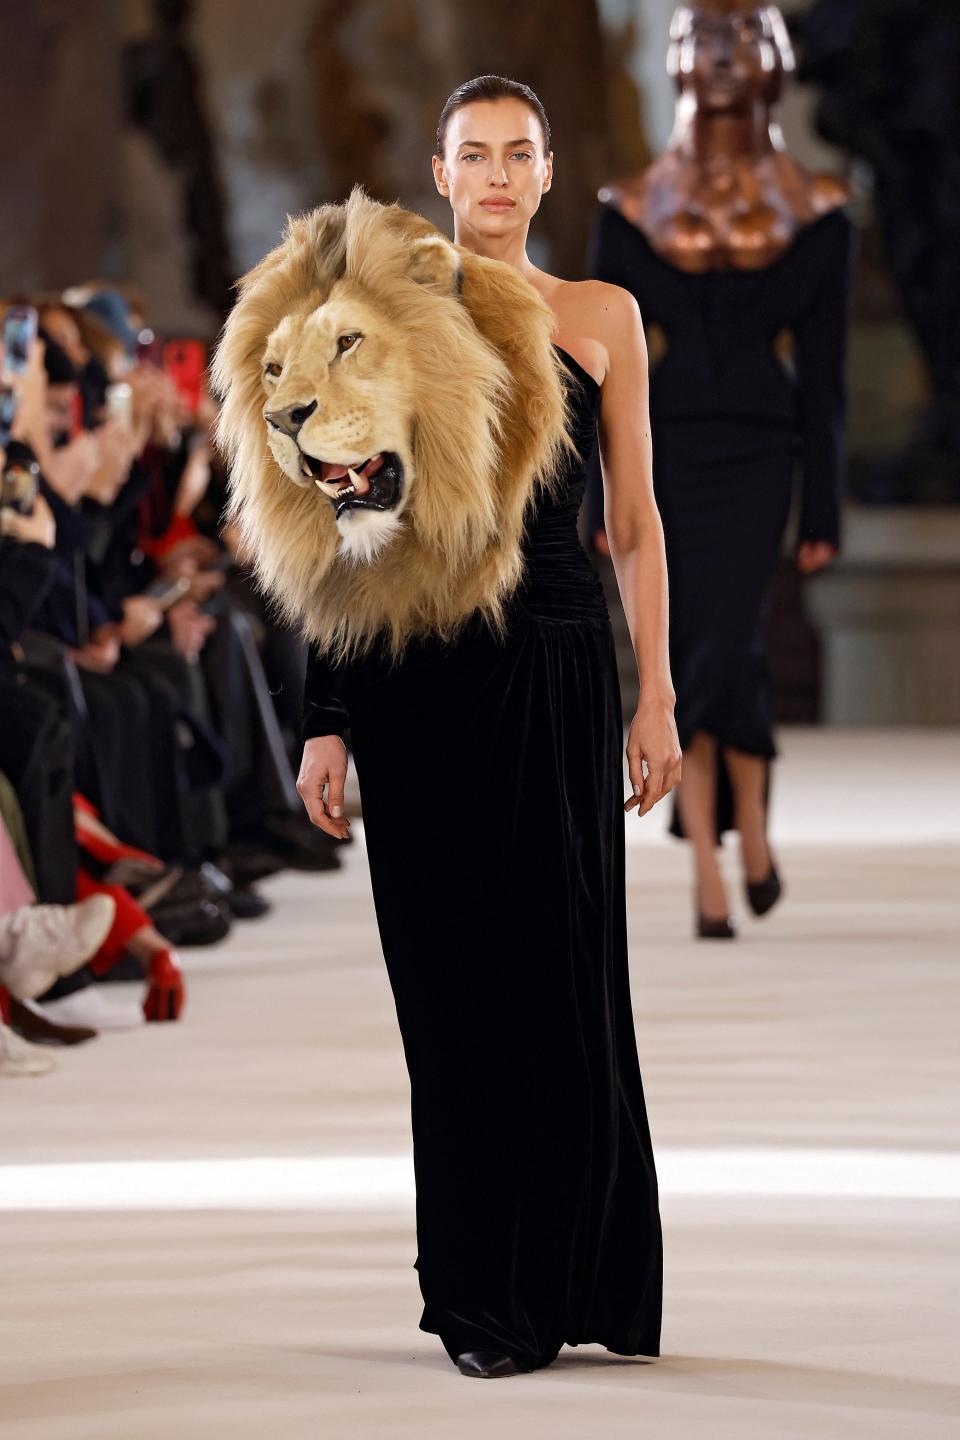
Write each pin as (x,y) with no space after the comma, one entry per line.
(273,369)
(347,342)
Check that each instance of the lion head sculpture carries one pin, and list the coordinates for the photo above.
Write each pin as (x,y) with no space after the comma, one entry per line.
(392,403)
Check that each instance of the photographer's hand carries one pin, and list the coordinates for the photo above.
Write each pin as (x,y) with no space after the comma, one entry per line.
(70,468)
(101,652)
(142,617)
(814,555)
(37,528)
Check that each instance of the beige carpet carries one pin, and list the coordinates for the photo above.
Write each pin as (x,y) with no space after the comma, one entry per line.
(208,1228)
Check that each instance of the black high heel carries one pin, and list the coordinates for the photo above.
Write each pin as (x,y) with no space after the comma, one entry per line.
(488,1364)
(710,928)
(763,894)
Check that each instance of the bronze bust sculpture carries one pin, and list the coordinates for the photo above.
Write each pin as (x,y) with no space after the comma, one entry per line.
(725,193)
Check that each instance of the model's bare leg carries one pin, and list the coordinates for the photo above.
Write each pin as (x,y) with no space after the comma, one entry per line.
(696,799)
(747,777)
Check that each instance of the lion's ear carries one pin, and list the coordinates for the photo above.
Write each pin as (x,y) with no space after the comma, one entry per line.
(434,263)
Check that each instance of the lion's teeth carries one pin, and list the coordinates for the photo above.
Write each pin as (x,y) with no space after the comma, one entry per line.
(353,476)
(335,489)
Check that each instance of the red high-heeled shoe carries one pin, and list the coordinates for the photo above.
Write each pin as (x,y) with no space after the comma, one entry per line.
(166,990)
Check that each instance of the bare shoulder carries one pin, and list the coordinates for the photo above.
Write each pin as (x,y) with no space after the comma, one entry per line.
(616,323)
(615,310)
(598,321)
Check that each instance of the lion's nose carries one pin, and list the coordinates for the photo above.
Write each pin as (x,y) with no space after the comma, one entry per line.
(291,420)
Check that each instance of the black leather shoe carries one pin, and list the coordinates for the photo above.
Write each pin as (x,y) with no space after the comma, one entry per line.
(710,929)
(762,895)
(488,1364)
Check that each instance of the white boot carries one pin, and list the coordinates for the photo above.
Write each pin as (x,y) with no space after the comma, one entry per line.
(19,1057)
(92,1008)
(41,943)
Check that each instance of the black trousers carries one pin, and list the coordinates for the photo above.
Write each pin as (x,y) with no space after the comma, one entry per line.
(36,755)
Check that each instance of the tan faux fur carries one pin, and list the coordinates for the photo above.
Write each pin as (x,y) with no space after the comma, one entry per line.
(455,373)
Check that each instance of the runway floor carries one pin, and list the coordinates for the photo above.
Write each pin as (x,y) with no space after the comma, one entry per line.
(208,1227)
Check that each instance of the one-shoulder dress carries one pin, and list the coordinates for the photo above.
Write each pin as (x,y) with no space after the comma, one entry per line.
(491,787)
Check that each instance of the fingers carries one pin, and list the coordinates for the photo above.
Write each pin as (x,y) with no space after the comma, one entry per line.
(315,776)
(637,779)
(660,779)
(337,821)
(335,797)
(321,813)
(653,791)
(310,789)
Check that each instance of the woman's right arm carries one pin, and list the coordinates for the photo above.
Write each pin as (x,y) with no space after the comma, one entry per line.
(324,764)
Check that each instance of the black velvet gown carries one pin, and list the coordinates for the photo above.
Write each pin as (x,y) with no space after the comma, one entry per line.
(729,420)
(492,793)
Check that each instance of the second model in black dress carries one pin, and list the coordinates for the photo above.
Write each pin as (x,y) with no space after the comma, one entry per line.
(491,784)
(728,421)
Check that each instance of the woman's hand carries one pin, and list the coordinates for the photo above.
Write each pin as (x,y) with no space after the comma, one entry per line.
(194,481)
(325,763)
(117,448)
(653,737)
(69,469)
(142,617)
(189,628)
(814,555)
(100,654)
(188,556)
(38,528)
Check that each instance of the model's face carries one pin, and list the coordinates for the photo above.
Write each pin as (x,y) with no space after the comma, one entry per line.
(725,61)
(493,170)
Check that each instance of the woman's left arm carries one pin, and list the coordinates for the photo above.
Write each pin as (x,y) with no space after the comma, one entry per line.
(635,536)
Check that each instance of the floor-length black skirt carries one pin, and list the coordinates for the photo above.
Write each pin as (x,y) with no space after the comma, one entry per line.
(492,792)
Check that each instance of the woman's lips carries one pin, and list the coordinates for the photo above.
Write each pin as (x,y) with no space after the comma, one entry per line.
(497,204)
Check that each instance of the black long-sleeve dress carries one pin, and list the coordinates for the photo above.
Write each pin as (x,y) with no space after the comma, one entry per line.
(728,422)
(491,784)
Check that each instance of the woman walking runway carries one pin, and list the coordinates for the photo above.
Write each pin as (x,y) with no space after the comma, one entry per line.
(497,867)
(490,772)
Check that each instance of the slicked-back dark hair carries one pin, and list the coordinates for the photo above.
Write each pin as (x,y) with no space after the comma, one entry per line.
(491,87)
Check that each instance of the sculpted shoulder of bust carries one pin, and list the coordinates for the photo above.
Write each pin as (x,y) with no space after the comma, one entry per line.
(725,194)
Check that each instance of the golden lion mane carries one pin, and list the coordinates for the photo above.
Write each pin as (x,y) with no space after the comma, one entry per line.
(456,375)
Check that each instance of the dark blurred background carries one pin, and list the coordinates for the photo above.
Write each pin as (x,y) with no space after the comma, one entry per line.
(164,142)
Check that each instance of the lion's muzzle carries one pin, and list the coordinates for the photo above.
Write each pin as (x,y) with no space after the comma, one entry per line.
(290,421)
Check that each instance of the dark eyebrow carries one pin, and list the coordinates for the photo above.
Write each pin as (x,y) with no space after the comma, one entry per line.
(482,144)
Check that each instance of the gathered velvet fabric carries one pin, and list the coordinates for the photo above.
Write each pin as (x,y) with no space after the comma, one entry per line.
(491,785)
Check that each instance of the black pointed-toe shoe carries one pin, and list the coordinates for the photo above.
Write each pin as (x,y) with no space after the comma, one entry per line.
(488,1364)
(762,895)
(709,928)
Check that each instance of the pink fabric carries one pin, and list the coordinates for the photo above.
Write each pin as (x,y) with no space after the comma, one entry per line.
(14,885)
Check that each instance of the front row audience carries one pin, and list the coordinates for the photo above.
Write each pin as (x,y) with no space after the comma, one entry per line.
(149,703)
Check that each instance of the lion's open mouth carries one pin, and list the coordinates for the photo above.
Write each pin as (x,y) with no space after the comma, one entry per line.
(375,484)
